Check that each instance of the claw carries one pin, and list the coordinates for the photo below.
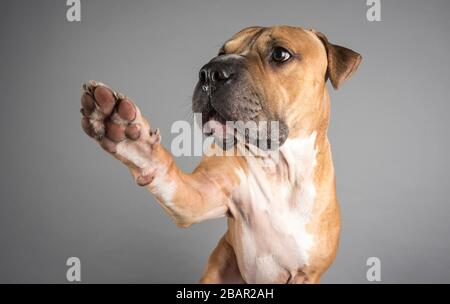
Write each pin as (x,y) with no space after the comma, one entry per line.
(90,86)
(120,96)
(155,136)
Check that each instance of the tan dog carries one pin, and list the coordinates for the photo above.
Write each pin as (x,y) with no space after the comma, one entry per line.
(283,217)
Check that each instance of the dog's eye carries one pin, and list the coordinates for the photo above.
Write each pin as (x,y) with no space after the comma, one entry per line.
(280,54)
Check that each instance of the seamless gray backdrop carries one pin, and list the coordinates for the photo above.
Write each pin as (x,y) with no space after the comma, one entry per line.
(61,196)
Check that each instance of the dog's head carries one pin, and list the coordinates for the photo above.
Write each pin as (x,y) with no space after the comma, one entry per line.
(265,74)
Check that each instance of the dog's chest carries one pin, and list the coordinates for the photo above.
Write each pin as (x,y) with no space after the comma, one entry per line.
(273,205)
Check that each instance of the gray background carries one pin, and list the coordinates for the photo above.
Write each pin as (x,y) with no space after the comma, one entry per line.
(61,196)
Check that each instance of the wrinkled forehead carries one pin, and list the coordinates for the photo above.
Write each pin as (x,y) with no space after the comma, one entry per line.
(259,38)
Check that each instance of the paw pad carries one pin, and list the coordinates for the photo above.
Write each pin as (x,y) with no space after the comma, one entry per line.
(108,114)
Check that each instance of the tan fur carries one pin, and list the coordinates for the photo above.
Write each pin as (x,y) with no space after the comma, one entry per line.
(298,93)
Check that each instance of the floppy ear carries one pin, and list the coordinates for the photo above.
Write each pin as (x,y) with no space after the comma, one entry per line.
(342,62)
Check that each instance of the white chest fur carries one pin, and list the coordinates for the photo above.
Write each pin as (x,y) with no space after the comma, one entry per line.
(274,204)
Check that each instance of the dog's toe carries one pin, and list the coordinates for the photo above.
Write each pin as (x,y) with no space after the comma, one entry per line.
(126,110)
(87,127)
(87,104)
(108,145)
(133,131)
(116,123)
(115,132)
(105,99)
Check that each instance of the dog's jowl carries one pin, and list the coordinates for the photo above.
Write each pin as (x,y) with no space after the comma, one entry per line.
(282,213)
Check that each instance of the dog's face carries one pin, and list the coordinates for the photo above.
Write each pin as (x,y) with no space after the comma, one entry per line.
(272,74)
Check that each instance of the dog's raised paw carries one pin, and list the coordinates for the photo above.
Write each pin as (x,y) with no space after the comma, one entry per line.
(116,123)
(108,114)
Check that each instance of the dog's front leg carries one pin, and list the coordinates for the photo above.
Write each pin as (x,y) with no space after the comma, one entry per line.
(116,123)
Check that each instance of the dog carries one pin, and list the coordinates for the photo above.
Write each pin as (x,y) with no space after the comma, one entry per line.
(283,217)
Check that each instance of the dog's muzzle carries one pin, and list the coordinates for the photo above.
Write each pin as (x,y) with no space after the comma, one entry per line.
(219,73)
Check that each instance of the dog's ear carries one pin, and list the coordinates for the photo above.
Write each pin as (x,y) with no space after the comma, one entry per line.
(342,62)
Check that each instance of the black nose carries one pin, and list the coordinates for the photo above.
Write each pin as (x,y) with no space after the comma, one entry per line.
(215,72)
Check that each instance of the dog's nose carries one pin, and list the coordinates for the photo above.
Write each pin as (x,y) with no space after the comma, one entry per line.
(215,72)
